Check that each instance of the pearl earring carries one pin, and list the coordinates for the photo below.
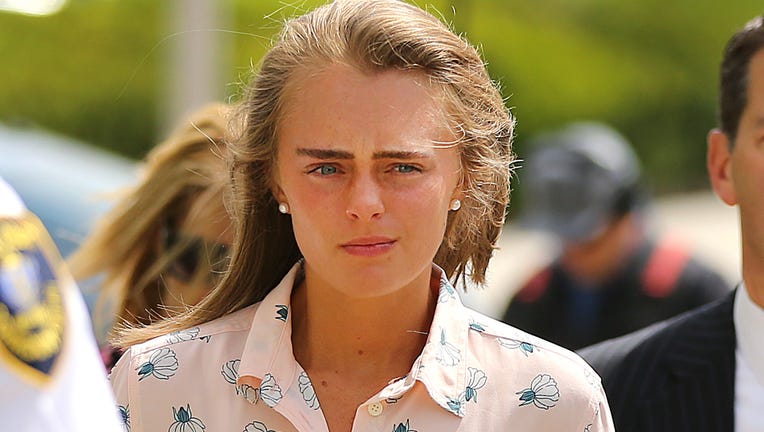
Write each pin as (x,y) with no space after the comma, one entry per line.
(284,208)
(456,205)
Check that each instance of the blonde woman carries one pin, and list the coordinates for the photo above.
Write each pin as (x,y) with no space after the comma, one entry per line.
(166,242)
(372,174)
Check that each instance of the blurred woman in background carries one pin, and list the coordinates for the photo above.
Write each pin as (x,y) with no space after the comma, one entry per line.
(165,243)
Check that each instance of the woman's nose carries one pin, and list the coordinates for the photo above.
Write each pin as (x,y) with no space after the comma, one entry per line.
(364,201)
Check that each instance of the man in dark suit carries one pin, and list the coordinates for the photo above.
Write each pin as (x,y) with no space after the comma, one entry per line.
(704,370)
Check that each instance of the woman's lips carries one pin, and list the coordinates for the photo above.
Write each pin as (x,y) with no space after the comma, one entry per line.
(369,246)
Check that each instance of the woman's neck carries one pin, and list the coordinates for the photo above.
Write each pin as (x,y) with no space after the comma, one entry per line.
(349,335)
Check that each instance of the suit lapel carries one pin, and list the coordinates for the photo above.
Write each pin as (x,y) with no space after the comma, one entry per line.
(699,389)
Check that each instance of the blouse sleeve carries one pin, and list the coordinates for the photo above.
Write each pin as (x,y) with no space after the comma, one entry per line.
(120,384)
(603,420)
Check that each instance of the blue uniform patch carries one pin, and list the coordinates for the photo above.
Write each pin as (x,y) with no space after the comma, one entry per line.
(31,305)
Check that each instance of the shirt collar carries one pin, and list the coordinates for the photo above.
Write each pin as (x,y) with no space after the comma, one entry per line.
(268,350)
(749,321)
(441,367)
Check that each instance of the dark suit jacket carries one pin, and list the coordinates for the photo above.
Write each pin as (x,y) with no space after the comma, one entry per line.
(677,375)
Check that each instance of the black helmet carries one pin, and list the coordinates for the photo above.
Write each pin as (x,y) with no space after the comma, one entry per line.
(578,179)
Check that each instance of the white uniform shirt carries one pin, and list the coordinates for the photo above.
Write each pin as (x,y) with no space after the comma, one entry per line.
(51,376)
(238,374)
(749,368)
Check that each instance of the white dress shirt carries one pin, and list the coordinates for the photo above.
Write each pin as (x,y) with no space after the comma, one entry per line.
(749,369)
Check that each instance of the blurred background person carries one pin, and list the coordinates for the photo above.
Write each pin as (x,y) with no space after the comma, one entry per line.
(165,244)
(50,376)
(612,275)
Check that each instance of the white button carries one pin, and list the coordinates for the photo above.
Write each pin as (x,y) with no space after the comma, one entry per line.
(375,409)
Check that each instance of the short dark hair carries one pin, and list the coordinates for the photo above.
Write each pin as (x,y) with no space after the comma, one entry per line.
(733,83)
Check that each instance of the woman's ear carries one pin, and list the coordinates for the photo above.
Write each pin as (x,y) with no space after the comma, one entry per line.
(278,193)
(276,190)
(719,164)
(281,198)
(458,192)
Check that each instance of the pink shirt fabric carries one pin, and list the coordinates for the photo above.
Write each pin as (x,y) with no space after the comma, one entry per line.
(238,373)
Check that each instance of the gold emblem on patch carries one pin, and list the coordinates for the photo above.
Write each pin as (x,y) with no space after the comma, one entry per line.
(31,307)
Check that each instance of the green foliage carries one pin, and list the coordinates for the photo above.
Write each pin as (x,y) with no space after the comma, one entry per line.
(80,72)
(648,67)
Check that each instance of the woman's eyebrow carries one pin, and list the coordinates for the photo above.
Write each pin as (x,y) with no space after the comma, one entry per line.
(401,154)
(326,154)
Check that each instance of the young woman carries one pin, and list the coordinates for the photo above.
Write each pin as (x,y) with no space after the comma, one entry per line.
(373,171)
(167,240)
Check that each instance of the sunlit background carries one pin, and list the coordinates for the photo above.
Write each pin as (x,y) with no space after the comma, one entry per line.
(118,74)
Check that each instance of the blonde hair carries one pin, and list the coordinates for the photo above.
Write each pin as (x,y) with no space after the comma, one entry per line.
(372,36)
(123,248)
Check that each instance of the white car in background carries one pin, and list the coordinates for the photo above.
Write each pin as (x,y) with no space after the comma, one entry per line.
(66,183)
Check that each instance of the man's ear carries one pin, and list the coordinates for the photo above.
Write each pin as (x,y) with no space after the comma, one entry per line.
(719,164)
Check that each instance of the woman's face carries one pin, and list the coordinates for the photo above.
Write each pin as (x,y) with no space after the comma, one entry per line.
(365,167)
(201,245)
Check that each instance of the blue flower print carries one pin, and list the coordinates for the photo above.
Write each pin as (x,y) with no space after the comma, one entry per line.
(182,335)
(476,326)
(456,404)
(282,311)
(476,380)
(448,355)
(446,293)
(185,421)
(124,417)
(307,390)
(403,427)
(257,426)
(161,365)
(524,347)
(543,392)
(270,392)
(230,371)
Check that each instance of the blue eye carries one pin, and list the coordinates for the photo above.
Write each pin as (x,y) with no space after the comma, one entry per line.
(405,168)
(325,170)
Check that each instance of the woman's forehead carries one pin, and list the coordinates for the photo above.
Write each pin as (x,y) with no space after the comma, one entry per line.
(343,79)
(344,102)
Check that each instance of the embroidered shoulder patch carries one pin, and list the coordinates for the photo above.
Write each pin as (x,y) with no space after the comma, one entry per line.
(31,307)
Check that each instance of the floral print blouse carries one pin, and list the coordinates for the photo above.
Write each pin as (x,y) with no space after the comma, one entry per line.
(238,374)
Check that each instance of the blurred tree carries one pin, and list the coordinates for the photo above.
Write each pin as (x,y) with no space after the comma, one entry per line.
(86,72)
(647,67)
